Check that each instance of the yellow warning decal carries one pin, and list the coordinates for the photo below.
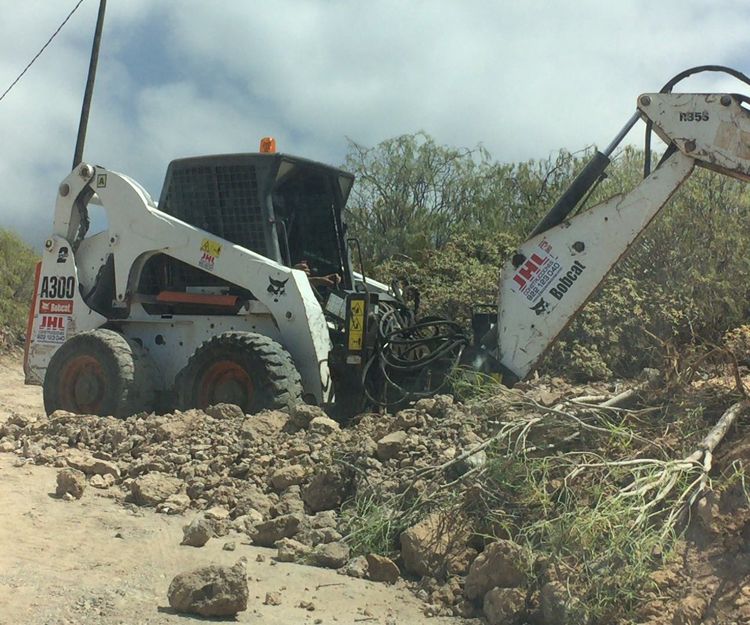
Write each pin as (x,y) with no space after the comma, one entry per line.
(356,324)
(212,248)
(101,181)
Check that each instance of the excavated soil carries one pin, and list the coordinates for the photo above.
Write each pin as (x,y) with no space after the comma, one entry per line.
(95,560)
(110,556)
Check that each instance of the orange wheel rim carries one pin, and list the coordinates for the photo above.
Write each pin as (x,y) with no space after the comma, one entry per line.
(225,382)
(83,385)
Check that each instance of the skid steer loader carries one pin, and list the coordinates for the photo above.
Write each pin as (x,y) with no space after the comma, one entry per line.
(200,299)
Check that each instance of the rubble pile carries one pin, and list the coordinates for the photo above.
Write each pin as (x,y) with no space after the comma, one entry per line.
(311,488)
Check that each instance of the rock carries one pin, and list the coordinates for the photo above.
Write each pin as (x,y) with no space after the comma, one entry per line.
(217,513)
(306,605)
(690,611)
(303,414)
(290,550)
(272,598)
(323,426)
(154,488)
(285,526)
(89,464)
(174,504)
(558,607)
(408,418)
(382,569)
(291,475)
(391,445)
(246,523)
(253,499)
(229,546)
(428,547)
(198,532)
(326,490)
(356,567)
(7,446)
(330,555)
(325,519)
(225,411)
(265,424)
(290,502)
(210,590)
(504,606)
(102,481)
(70,482)
(474,461)
(319,536)
(500,564)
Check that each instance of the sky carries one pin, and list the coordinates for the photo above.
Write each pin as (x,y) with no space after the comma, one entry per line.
(190,77)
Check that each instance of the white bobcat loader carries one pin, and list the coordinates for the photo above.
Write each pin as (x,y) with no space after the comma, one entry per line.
(196,300)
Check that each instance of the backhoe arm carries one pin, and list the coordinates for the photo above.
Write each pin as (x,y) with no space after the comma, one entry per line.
(554,273)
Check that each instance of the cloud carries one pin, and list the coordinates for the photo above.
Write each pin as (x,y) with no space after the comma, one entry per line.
(524,79)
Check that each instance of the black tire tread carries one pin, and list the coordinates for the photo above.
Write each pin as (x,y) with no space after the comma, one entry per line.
(283,384)
(136,371)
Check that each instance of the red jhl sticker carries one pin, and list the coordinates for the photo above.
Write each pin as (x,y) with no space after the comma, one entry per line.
(56,306)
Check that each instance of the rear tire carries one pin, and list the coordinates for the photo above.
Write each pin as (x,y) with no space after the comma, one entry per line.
(102,373)
(242,368)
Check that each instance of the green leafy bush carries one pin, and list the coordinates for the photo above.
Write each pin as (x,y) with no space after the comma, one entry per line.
(685,281)
(17,262)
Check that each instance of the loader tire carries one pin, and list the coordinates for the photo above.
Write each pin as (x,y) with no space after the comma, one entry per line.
(100,372)
(242,368)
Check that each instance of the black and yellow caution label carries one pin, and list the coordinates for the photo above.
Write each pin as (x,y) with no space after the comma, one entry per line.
(212,248)
(101,181)
(356,324)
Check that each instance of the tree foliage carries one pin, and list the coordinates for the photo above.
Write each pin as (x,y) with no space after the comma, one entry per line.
(447,219)
(17,262)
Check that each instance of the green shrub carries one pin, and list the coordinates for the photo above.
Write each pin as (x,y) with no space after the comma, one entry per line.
(17,262)
(686,281)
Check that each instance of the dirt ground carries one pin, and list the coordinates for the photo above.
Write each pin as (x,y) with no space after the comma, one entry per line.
(95,561)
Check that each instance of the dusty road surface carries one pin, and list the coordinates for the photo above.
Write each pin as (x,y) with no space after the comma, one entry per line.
(97,561)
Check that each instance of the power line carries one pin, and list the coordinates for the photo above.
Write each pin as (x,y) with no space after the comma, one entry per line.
(38,54)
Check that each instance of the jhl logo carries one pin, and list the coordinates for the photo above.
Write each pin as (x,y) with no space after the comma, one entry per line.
(528,270)
(277,288)
(207,261)
(51,323)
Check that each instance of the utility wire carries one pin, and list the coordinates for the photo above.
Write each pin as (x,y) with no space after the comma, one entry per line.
(38,54)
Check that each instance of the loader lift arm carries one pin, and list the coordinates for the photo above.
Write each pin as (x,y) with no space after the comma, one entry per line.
(554,273)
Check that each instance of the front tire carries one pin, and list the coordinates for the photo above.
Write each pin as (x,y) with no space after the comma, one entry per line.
(243,368)
(100,372)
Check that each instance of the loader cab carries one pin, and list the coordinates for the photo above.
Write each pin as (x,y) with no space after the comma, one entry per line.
(285,208)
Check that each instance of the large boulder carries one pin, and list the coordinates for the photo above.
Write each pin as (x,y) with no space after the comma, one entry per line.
(290,550)
(198,532)
(210,590)
(559,608)
(504,606)
(382,569)
(391,445)
(265,424)
(154,488)
(225,411)
(501,564)
(429,547)
(330,555)
(291,475)
(71,482)
(323,426)
(90,465)
(326,490)
(285,526)
(303,414)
